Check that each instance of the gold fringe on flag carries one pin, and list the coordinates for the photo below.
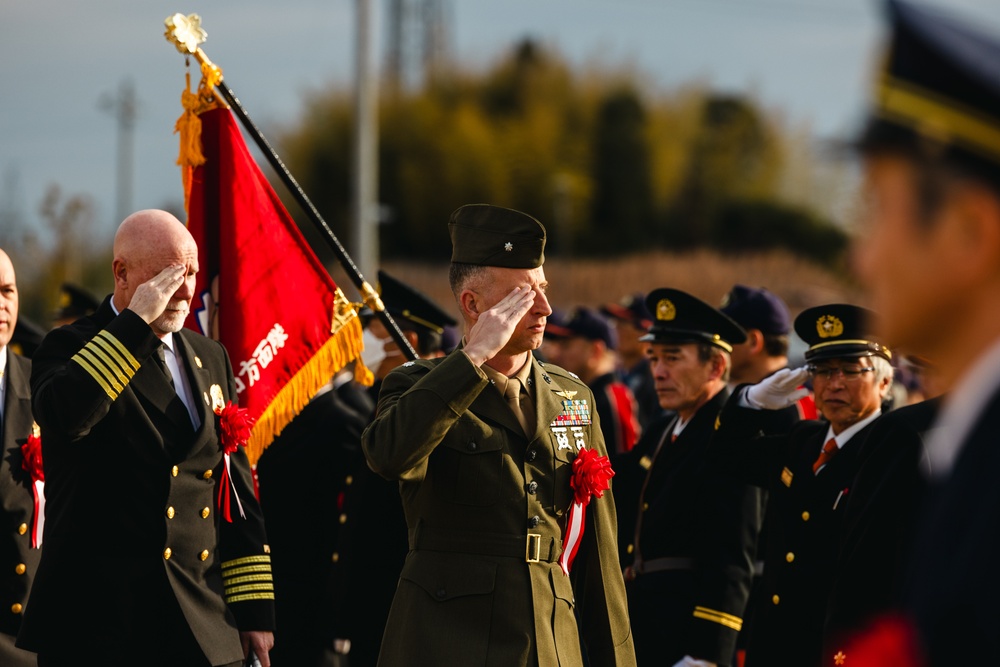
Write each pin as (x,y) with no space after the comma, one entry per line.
(343,347)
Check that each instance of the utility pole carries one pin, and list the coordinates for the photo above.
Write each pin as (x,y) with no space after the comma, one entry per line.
(124,107)
(365,149)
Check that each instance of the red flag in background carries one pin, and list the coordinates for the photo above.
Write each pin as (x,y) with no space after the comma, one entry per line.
(261,291)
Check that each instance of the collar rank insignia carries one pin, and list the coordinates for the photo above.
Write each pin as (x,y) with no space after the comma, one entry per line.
(786,477)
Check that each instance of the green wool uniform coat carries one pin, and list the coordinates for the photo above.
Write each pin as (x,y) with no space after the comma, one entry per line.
(476,492)
(137,565)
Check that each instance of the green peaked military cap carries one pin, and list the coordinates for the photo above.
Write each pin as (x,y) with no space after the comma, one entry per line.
(679,317)
(488,235)
(839,330)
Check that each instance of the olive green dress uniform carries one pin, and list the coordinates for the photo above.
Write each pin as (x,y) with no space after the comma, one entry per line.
(485,508)
(18,559)
(137,563)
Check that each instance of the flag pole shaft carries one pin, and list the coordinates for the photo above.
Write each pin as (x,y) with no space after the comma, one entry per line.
(368,294)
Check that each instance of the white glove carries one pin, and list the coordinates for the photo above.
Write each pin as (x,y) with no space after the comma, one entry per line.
(688,661)
(778,391)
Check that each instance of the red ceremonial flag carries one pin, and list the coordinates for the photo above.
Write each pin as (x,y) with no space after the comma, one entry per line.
(260,289)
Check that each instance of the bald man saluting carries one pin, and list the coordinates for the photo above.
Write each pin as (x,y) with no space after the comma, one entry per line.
(138,566)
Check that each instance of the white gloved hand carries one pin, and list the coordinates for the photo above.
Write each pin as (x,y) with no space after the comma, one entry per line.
(778,391)
(688,661)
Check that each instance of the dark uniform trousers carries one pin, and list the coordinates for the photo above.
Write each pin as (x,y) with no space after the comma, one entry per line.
(18,559)
(138,566)
(693,544)
(804,514)
(485,509)
(307,478)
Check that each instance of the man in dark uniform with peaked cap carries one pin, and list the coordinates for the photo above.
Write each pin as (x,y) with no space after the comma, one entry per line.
(931,258)
(377,527)
(74,302)
(808,472)
(483,443)
(690,574)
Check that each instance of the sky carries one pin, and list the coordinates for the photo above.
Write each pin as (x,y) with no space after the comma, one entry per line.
(61,59)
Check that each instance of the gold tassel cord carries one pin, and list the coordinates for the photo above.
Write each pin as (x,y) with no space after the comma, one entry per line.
(188,126)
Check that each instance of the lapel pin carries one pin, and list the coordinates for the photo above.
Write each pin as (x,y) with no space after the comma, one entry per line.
(197,361)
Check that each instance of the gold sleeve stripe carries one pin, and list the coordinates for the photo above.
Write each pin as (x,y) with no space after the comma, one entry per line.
(722,618)
(245,598)
(233,572)
(113,371)
(94,373)
(236,590)
(88,354)
(246,560)
(245,580)
(121,365)
(122,350)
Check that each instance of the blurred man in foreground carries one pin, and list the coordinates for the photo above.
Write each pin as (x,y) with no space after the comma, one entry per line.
(931,257)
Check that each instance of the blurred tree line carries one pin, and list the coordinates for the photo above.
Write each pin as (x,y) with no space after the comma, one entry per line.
(608,164)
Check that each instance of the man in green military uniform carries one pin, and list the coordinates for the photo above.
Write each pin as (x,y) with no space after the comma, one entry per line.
(485,472)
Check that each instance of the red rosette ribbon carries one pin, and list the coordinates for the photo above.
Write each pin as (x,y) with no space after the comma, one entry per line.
(31,462)
(234,431)
(591,475)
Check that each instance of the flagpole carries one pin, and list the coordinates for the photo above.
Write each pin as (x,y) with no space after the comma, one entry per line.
(186,34)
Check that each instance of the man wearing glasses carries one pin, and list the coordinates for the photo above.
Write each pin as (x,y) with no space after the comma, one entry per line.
(808,472)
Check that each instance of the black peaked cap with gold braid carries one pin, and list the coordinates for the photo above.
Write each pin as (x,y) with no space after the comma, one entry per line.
(679,317)
(938,93)
(488,235)
(838,331)
(410,305)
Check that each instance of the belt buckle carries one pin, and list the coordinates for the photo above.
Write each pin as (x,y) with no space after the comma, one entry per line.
(533,550)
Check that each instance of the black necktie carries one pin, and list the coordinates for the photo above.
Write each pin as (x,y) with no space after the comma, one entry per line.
(162,358)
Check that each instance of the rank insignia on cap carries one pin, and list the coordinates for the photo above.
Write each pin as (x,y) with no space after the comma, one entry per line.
(829,326)
(665,310)
(508,246)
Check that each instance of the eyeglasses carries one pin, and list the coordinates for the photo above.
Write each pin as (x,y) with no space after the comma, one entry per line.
(850,373)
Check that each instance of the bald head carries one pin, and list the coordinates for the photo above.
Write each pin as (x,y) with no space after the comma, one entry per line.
(145,235)
(147,243)
(8,299)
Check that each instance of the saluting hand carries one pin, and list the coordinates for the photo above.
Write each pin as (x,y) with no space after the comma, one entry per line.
(779,390)
(494,327)
(152,297)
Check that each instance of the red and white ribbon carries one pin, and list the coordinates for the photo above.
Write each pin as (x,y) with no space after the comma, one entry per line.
(591,474)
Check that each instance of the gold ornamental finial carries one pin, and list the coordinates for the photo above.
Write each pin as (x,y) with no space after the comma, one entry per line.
(185,32)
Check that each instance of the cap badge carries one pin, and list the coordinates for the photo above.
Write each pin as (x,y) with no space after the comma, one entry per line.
(829,326)
(508,246)
(665,310)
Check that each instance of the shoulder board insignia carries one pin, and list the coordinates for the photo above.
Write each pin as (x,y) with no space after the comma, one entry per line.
(408,364)
(572,374)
